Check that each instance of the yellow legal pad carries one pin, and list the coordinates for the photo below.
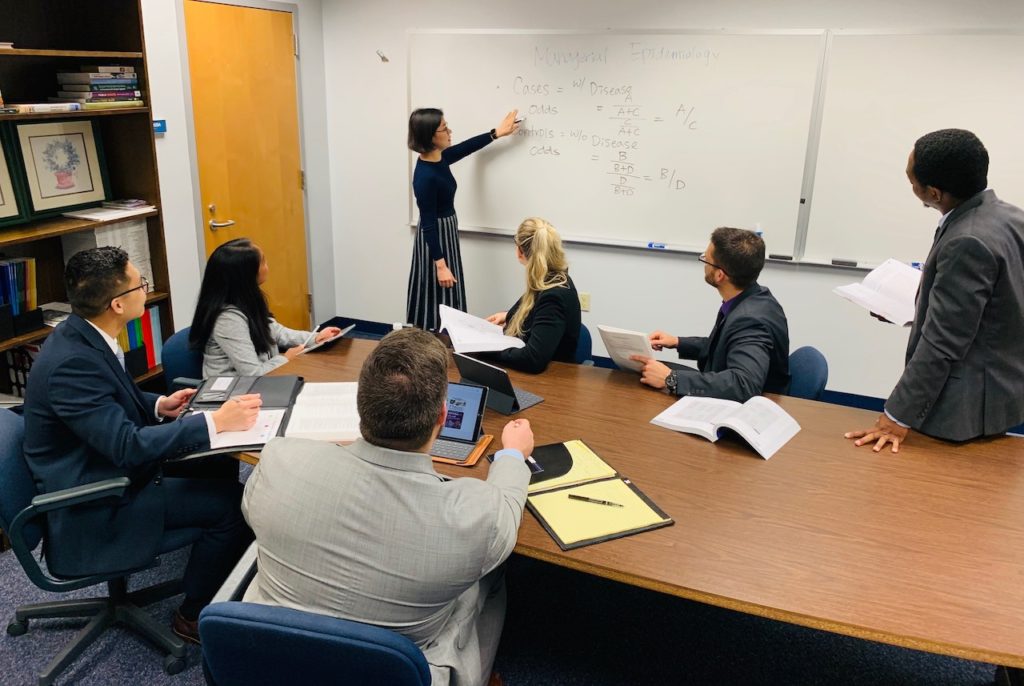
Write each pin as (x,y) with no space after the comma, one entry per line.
(576,523)
(586,466)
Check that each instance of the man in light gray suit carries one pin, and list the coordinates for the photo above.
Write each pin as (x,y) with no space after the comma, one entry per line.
(964,376)
(371,533)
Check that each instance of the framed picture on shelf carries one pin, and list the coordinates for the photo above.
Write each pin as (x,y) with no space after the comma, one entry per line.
(63,164)
(12,208)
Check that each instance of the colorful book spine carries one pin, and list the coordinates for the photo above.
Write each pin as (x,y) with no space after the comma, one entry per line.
(98,87)
(108,69)
(158,338)
(147,336)
(104,105)
(79,96)
(96,77)
(42,107)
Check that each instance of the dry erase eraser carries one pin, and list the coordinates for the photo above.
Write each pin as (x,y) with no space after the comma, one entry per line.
(845,263)
(788,258)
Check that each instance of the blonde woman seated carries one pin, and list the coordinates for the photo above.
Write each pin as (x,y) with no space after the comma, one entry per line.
(547,316)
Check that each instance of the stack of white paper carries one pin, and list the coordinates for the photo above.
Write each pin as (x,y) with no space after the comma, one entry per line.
(132,236)
(889,290)
(471,334)
(621,343)
(265,428)
(325,412)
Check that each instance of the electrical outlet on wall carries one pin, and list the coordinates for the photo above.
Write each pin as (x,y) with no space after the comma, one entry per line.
(585,302)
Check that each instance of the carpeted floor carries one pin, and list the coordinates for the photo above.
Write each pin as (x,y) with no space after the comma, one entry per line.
(562,629)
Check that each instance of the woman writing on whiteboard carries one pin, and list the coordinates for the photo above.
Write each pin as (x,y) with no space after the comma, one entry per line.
(435,277)
(547,316)
(233,325)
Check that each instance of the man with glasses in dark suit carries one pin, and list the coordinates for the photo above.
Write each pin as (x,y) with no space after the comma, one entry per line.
(747,351)
(86,420)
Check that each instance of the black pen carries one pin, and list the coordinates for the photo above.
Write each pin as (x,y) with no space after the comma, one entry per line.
(573,496)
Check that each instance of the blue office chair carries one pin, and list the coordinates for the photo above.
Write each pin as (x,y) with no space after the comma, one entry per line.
(808,370)
(183,367)
(261,645)
(584,346)
(22,516)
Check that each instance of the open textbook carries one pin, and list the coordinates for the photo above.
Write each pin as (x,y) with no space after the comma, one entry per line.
(761,422)
(621,343)
(471,334)
(888,290)
(325,412)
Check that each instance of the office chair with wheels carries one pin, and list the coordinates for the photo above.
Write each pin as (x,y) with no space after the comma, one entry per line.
(262,645)
(183,367)
(584,346)
(808,370)
(22,516)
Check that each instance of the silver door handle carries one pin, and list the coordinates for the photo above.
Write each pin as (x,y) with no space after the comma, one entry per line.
(214,225)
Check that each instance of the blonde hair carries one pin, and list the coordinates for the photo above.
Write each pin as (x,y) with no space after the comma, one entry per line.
(546,266)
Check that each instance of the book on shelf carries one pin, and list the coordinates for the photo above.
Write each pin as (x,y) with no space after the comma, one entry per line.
(56,312)
(125,204)
(86,96)
(18,284)
(95,87)
(105,105)
(142,342)
(759,421)
(131,235)
(107,69)
(106,214)
(97,77)
(44,107)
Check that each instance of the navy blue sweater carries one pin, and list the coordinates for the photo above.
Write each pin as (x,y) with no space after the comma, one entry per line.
(434,187)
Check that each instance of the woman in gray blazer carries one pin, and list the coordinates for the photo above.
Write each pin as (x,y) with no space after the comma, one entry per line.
(233,325)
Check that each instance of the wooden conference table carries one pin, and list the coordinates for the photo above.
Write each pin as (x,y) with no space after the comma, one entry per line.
(924,549)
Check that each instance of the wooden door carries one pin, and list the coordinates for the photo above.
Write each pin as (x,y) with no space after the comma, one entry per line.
(244,102)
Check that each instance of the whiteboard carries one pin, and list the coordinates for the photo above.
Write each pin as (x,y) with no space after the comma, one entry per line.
(882,93)
(629,139)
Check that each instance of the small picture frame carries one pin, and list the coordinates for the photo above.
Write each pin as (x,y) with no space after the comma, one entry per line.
(63,164)
(12,206)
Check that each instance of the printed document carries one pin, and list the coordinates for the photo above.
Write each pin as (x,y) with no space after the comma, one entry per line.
(889,290)
(265,428)
(471,334)
(621,343)
(325,412)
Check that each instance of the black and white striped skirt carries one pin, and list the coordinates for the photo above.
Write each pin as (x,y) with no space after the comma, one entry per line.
(425,295)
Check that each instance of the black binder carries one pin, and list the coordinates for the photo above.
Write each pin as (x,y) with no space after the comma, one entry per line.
(275,391)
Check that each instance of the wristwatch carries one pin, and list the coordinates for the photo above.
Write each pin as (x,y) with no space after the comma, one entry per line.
(494,134)
(671,382)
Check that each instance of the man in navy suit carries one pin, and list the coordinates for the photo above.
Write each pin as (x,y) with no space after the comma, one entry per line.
(747,351)
(86,420)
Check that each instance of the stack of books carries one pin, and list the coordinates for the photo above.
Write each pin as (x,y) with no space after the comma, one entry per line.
(142,342)
(18,284)
(100,87)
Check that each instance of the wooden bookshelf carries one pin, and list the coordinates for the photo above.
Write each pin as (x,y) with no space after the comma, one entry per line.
(89,33)
(40,334)
(114,111)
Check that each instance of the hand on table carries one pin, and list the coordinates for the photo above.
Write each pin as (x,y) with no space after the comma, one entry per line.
(290,353)
(884,431)
(653,373)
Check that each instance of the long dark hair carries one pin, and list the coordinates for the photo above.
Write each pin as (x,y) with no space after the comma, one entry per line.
(232,280)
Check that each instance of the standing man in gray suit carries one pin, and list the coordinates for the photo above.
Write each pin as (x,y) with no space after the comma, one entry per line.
(964,375)
(747,352)
(371,533)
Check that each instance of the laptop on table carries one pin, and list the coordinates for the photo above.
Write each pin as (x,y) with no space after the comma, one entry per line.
(502,397)
(463,423)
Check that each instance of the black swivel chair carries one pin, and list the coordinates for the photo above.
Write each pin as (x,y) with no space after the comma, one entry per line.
(22,516)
